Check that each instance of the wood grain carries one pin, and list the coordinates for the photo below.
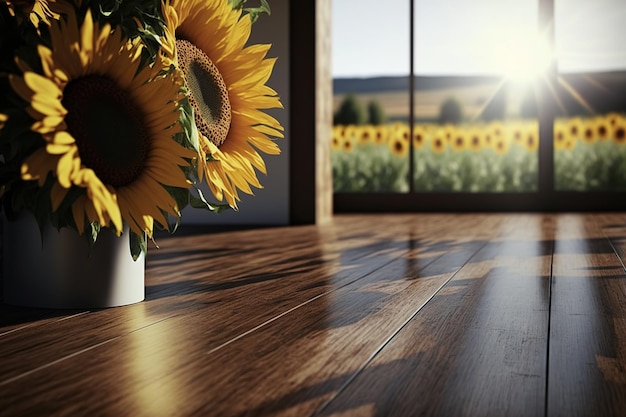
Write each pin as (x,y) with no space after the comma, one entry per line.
(408,314)
(478,348)
(587,330)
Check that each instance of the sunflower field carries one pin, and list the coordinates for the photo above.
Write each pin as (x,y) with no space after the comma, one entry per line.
(590,154)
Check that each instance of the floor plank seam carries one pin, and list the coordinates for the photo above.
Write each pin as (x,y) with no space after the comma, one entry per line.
(265,323)
(49,364)
(37,323)
(292,309)
(621,261)
(545,401)
(386,342)
(87,349)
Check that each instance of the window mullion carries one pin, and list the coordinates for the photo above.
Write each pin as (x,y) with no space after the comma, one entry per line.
(546,110)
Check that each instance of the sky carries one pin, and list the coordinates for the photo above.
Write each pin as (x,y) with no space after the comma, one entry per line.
(473,37)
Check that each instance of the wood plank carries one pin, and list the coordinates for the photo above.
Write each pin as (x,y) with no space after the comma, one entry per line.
(478,348)
(196,364)
(613,226)
(282,321)
(587,333)
(180,270)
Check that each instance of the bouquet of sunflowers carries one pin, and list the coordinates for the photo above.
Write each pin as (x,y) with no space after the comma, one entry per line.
(114,113)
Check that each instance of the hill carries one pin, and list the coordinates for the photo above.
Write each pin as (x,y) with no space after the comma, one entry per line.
(601,92)
(389,84)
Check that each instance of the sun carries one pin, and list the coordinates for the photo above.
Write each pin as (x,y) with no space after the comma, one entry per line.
(525,59)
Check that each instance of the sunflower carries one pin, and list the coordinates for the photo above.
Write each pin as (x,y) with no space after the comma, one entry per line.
(458,140)
(531,140)
(602,127)
(367,134)
(588,132)
(560,134)
(575,127)
(107,125)
(438,142)
(398,146)
(501,145)
(337,137)
(381,134)
(619,132)
(516,132)
(347,144)
(476,139)
(419,136)
(400,130)
(226,82)
(350,133)
(493,131)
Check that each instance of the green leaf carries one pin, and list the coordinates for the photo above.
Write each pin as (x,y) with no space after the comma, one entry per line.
(254,12)
(95,231)
(91,234)
(138,244)
(201,202)
(187,122)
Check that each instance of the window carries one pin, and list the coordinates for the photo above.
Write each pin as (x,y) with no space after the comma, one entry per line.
(590,113)
(480,118)
(371,92)
(475,120)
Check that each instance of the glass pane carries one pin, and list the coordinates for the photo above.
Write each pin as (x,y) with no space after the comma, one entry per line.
(370,62)
(476,127)
(589,35)
(590,128)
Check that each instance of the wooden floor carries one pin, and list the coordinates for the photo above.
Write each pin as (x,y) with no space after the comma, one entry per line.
(373,315)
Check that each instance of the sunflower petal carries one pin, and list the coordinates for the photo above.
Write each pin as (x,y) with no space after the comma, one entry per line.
(65,168)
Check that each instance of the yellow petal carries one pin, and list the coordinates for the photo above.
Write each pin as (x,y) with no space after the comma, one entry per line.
(65,167)
(47,105)
(38,83)
(54,149)
(63,138)
(86,33)
(48,124)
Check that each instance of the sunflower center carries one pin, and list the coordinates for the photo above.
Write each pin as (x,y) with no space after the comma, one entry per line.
(209,95)
(108,129)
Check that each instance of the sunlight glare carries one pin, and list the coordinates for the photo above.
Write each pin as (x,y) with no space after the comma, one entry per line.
(525,59)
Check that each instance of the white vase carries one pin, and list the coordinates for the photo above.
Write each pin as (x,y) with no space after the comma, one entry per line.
(60,272)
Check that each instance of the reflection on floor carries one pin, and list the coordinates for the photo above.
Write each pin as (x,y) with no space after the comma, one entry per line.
(386,315)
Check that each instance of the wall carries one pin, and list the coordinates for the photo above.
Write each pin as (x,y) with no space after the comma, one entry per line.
(269,205)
